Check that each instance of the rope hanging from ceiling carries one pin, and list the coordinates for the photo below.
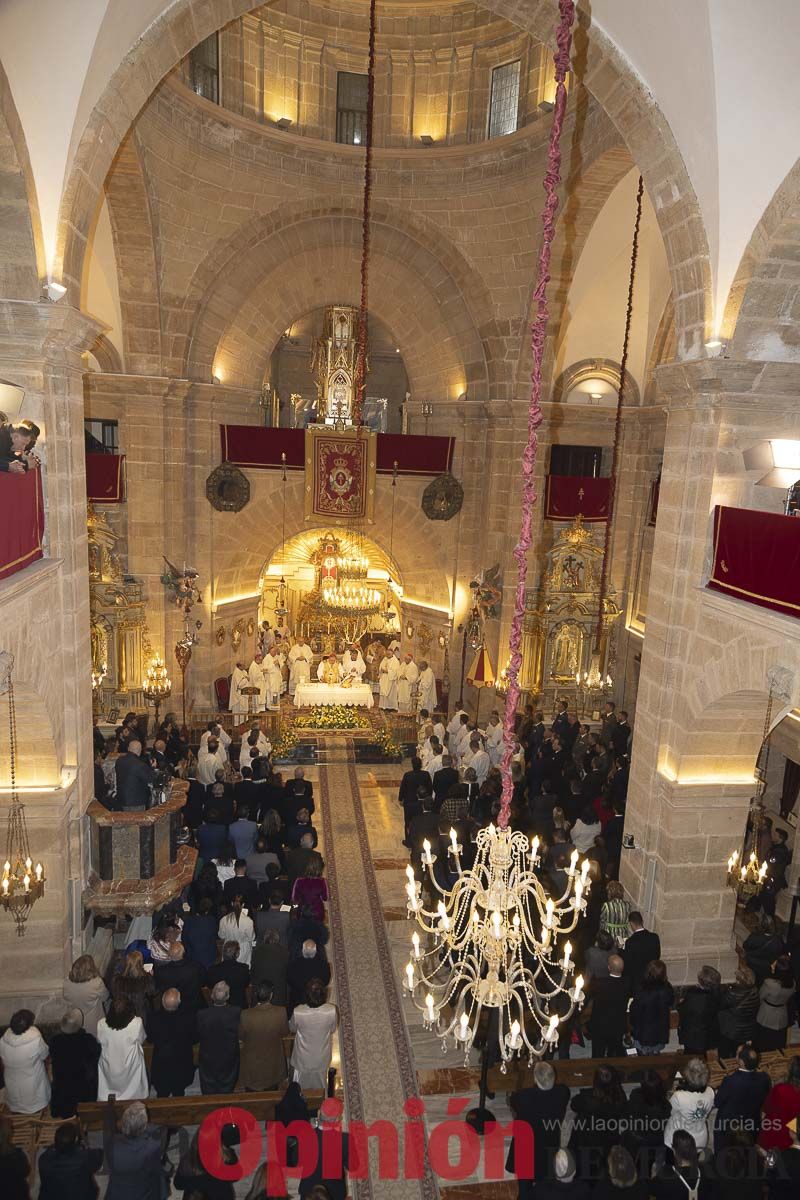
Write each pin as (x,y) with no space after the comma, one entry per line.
(623,366)
(361,350)
(538,332)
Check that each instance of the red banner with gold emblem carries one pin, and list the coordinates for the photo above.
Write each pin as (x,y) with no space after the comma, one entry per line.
(340,474)
(569,496)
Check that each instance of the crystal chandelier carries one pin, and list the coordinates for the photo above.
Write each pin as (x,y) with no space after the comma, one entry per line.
(22,883)
(747,878)
(157,685)
(494,942)
(352,565)
(346,596)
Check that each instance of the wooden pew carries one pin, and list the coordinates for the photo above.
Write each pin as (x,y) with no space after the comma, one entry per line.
(175,1111)
(579,1072)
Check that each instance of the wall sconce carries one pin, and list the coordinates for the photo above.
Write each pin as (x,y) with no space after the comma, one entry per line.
(409,630)
(284,123)
(426,139)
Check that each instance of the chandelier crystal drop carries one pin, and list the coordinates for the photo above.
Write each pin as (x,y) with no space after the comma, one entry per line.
(496,941)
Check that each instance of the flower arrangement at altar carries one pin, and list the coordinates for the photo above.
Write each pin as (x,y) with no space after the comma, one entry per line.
(285,743)
(383,739)
(330,716)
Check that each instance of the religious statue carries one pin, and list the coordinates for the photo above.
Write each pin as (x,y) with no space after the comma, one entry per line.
(566,658)
(572,569)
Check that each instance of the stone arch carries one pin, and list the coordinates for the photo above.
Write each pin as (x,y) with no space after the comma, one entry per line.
(21,247)
(132,227)
(598,64)
(283,267)
(107,355)
(762,314)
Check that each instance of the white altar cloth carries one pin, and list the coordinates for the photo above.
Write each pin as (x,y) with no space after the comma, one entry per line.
(358,696)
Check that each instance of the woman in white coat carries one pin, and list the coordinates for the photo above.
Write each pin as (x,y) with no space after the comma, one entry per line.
(23,1051)
(121,1071)
(238,927)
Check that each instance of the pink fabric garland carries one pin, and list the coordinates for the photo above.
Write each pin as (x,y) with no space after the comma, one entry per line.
(538,333)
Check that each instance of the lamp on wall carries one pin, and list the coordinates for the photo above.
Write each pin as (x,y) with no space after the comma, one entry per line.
(284,123)
(426,139)
(779,458)
(53,292)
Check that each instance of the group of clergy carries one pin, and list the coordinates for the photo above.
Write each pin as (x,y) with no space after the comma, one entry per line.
(403,685)
(465,743)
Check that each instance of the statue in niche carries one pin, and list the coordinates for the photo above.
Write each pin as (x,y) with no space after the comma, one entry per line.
(571,571)
(567,648)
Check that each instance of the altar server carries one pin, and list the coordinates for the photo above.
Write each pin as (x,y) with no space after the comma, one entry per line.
(427,687)
(454,724)
(387,682)
(353,663)
(274,679)
(329,671)
(300,657)
(258,678)
(238,702)
(407,677)
(494,740)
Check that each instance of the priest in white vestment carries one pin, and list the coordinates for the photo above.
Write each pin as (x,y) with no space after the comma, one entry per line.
(266,637)
(427,688)
(238,702)
(387,682)
(353,663)
(329,671)
(216,731)
(300,657)
(455,721)
(263,743)
(407,677)
(274,679)
(258,678)
(494,740)
(210,759)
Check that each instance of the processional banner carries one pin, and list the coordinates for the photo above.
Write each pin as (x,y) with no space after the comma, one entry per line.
(757,558)
(340,473)
(105,478)
(21,532)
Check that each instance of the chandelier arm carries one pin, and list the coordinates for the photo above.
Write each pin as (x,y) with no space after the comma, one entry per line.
(538,334)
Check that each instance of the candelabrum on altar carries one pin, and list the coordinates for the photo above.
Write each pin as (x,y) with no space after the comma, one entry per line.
(156,686)
(493,941)
(590,690)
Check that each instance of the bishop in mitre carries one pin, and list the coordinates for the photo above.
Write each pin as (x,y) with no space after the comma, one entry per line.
(274,679)
(387,682)
(238,702)
(427,689)
(329,671)
(300,657)
(353,663)
(407,677)
(258,678)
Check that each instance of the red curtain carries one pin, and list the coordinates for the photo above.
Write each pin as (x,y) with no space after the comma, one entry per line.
(105,478)
(258,446)
(757,558)
(569,496)
(22,524)
(791,787)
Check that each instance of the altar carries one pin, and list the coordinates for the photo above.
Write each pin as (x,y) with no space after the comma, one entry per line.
(359,695)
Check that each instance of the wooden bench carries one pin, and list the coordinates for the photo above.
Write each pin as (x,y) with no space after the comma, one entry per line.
(579,1072)
(175,1111)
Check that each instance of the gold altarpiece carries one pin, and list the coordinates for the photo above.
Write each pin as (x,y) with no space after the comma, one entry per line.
(560,624)
(120,642)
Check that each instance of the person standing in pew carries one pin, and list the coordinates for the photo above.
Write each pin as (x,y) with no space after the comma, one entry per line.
(172,1031)
(218,1028)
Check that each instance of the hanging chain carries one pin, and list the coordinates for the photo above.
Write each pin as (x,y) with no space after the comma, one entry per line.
(361,353)
(623,368)
(761,786)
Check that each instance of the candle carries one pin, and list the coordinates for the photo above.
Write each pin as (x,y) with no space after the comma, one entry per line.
(464,1031)
(426,846)
(454,841)
(410,976)
(27,883)
(551,1032)
(410,874)
(578,993)
(28,864)
(516,921)
(5,887)
(567,954)
(535,848)
(496,925)
(429,1006)
(415,943)
(573,862)
(7,867)
(39,872)
(549,909)
(514,1038)
(578,893)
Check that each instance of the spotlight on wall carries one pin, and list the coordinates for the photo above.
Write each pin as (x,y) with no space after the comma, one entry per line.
(216,379)
(284,123)
(426,139)
(779,457)
(714,347)
(53,292)
(546,106)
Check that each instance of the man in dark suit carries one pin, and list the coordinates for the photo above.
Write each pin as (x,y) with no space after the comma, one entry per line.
(608,1020)
(620,734)
(609,723)
(182,975)
(299,794)
(312,964)
(134,776)
(412,781)
(171,1028)
(247,794)
(739,1099)
(542,1107)
(241,885)
(561,723)
(133,1156)
(230,971)
(612,835)
(331,1165)
(298,858)
(444,779)
(425,826)
(218,1028)
(641,948)
(535,739)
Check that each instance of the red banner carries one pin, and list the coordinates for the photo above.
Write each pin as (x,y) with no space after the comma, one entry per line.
(340,474)
(259,446)
(757,558)
(570,496)
(105,478)
(22,523)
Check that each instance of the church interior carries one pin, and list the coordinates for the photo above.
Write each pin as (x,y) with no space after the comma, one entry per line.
(406,393)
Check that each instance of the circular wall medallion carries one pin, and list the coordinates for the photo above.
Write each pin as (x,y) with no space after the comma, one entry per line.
(442,498)
(227,489)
